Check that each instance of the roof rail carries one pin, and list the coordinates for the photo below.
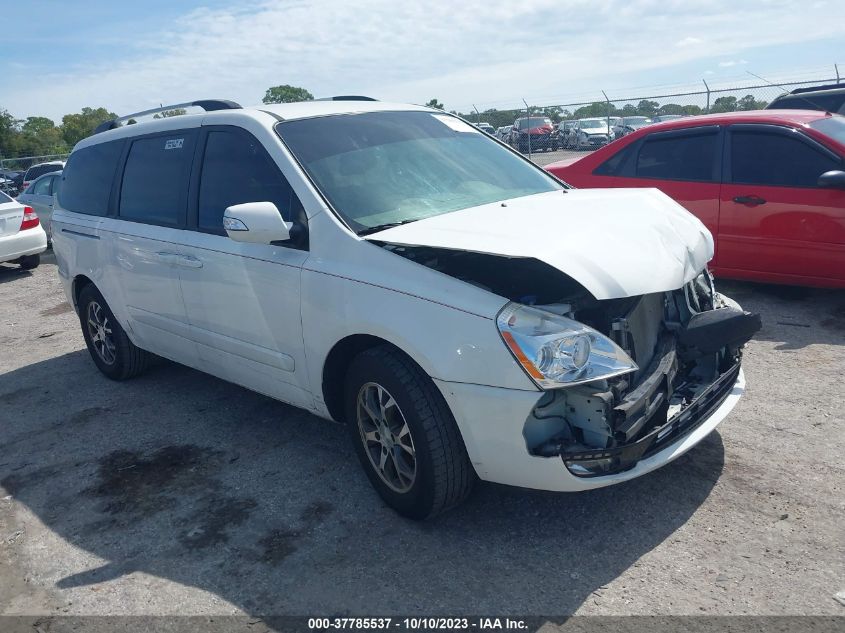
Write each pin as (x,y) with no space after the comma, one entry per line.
(347,98)
(799,91)
(209,105)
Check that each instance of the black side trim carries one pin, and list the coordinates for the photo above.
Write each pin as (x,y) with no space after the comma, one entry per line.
(93,237)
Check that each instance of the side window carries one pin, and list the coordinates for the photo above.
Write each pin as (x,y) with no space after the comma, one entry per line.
(684,157)
(55,185)
(155,179)
(237,169)
(615,165)
(87,178)
(42,187)
(760,158)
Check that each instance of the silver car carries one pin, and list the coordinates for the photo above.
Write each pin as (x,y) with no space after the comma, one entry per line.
(40,195)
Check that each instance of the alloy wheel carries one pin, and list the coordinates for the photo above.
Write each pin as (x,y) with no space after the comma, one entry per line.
(100,333)
(386,437)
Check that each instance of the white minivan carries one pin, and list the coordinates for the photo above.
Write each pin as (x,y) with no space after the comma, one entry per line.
(463,312)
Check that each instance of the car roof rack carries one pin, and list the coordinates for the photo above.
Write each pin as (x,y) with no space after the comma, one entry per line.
(347,98)
(799,91)
(209,105)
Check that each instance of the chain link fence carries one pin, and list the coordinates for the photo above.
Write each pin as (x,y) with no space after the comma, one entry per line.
(21,163)
(618,108)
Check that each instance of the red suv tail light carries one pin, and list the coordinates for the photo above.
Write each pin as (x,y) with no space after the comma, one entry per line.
(30,219)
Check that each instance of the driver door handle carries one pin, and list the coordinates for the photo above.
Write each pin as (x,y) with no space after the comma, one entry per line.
(751,201)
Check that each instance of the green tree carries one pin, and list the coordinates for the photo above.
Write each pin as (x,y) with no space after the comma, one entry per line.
(748,102)
(286,94)
(37,124)
(692,109)
(647,108)
(9,133)
(76,127)
(169,113)
(434,103)
(724,104)
(671,108)
(596,109)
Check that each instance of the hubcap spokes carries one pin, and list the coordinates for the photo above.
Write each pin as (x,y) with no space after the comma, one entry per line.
(386,436)
(99,329)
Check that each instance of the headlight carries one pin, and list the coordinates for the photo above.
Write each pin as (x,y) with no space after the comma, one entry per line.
(558,352)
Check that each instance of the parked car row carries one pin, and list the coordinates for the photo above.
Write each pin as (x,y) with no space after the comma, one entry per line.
(539,134)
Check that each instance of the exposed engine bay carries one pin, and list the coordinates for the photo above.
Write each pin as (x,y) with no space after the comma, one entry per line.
(687,344)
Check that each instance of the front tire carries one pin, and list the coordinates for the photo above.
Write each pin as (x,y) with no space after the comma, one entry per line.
(28,262)
(405,435)
(110,348)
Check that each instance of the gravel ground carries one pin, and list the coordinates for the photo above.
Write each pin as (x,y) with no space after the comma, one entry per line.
(177,493)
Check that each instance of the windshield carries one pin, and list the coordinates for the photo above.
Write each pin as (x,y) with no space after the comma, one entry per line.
(524,124)
(589,125)
(834,127)
(381,168)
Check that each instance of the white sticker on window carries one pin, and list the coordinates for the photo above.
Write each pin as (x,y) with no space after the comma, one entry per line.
(455,123)
(174,143)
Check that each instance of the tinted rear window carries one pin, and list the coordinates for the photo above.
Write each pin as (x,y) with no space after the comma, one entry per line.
(834,102)
(87,178)
(4,197)
(155,180)
(40,170)
(687,157)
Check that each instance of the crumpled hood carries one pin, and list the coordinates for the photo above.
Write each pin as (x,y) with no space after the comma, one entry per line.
(614,242)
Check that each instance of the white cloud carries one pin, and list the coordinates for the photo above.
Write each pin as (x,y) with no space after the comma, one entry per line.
(491,53)
(732,62)
(689,41)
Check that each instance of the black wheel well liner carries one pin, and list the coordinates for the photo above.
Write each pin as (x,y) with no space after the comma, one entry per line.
(338,361)
(79,282)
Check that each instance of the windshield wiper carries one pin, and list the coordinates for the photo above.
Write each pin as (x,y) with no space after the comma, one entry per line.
(382,227)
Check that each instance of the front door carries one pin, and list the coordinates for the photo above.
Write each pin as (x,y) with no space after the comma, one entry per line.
(776,223)
(243,300)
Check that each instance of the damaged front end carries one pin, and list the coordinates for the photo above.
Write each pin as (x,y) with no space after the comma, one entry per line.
(687,345)
(624,377)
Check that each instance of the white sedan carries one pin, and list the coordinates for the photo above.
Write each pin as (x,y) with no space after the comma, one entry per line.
(22,238)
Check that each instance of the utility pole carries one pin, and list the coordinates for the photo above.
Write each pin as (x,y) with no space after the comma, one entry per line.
(836,67)
(528,129)
(477,115)
(707,110)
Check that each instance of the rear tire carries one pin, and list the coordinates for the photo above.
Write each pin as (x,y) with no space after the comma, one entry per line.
(397,416)
(110,348)
(28,262)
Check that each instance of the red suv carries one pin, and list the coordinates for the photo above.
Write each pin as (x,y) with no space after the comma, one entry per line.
(769,184)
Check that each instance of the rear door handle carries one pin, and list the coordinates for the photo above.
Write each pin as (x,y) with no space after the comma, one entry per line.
(751,201)
(167,258)
(188,261)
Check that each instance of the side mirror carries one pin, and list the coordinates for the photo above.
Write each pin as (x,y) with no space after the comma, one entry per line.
(834,179)
(256,223)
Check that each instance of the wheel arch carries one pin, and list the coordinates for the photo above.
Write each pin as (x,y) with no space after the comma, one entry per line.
(79,282)
(337,363)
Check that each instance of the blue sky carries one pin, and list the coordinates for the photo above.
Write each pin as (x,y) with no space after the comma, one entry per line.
(60,56)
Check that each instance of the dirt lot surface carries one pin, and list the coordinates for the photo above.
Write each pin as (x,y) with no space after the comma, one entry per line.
(177,493)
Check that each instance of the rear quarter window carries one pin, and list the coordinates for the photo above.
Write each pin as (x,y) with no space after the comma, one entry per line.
(87,178)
